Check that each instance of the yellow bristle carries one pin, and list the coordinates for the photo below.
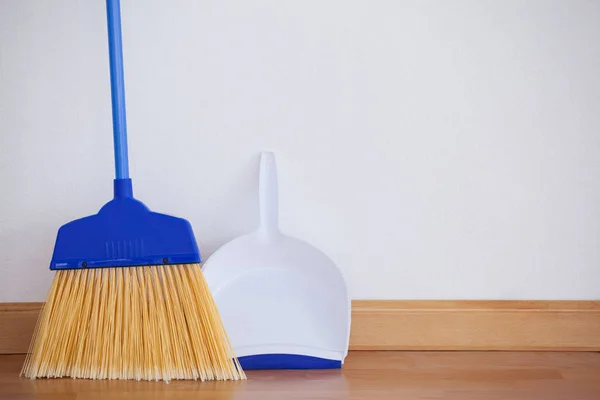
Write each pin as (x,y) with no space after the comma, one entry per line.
(143,323)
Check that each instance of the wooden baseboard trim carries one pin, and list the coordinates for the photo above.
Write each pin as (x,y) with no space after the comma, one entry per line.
(419,325)
(476,325)
(17,322)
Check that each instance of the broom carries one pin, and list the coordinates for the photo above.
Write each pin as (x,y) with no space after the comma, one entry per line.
(128,300)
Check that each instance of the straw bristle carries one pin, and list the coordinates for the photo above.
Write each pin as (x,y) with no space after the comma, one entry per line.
(143,323)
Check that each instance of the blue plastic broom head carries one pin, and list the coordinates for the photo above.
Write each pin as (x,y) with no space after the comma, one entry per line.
(124,233)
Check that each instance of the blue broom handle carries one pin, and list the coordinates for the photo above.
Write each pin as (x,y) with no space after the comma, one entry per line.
(117,87)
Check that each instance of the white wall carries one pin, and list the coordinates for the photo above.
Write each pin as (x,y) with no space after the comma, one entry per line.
(434,149)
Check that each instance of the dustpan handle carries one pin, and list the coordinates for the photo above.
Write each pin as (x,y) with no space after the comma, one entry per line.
(267,194)
(117,87)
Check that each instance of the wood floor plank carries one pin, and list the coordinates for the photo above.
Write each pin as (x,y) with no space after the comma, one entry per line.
(366,375)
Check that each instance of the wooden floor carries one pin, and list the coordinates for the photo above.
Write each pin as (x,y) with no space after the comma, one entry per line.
(366,375)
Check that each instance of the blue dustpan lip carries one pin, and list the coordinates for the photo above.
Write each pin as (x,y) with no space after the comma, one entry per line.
(287,361)
(124,233)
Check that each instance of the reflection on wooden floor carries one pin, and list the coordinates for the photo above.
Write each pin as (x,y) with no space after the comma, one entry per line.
(366,375)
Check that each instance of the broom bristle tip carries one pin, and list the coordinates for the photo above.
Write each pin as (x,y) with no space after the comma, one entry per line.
(143,323)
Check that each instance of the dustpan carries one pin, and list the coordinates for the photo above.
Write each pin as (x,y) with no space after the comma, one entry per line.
(283,302)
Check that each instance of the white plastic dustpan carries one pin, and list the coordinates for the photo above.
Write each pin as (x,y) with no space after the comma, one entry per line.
(283,302)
